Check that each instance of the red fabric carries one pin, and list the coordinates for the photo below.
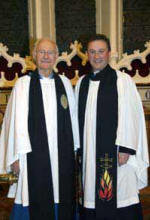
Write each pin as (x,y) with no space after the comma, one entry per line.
(76,65)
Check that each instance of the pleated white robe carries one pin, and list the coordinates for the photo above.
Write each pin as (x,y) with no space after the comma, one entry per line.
(14,139)
(131,133)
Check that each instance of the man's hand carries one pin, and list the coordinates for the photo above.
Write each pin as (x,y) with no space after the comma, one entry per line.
(15,167)
(123,158)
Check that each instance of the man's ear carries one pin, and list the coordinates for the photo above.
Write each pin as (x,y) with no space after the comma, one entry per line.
(86,54)
(109,55)
(34,55)
(57,55)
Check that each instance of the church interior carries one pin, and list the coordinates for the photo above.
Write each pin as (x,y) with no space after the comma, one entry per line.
(69,23)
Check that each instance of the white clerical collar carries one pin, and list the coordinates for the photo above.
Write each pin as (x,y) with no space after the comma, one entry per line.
(51,75)
(95,72)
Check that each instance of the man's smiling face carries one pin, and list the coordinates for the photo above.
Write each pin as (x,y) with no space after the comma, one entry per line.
(98,54)
(45,56)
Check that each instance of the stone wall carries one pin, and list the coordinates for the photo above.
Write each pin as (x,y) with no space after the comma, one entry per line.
(75,20)
(136,26)
(14,26)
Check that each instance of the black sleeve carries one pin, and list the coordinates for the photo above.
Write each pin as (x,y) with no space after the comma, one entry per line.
(126,150)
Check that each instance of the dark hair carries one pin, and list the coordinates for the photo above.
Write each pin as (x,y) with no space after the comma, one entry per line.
(101,37)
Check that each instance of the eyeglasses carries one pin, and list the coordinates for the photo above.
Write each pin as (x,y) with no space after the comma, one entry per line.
(94,52)
(49,52)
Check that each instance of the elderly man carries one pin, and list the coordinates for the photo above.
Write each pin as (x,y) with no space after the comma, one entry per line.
(38,139)
(113,139)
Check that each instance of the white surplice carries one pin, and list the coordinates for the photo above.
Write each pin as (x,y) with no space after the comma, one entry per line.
(131,133)
(14,139)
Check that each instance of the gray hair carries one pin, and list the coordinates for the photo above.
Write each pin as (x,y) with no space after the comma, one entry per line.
(38,42)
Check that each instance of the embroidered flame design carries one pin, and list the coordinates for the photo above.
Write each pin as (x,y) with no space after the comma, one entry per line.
(105,191)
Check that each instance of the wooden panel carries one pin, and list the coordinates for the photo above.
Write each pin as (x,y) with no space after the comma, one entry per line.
(4,96)
(147,118)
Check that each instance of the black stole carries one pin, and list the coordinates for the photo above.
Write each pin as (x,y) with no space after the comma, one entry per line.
(106,128)
(40,185)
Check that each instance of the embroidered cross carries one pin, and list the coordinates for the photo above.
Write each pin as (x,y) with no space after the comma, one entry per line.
(106,162)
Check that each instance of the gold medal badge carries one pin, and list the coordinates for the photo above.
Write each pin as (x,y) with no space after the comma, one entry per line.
(64,101)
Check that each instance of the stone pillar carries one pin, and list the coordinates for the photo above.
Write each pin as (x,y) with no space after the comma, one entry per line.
(109,22)
(113,31)
(41,19)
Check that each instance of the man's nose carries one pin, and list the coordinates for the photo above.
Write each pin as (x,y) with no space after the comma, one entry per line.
(97,54)
(46,55)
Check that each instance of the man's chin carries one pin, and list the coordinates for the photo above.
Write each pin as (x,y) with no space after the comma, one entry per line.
(45,67)
(98,67)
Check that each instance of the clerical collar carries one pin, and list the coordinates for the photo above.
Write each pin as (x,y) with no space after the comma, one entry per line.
(95,72)
(51,76)
(100,74)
